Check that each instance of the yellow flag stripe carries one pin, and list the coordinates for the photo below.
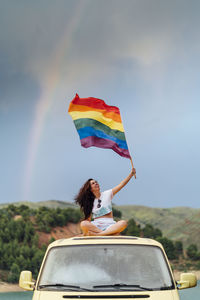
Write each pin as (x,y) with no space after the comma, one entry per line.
(98,116)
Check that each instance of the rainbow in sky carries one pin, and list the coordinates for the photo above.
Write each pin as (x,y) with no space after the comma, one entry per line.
(49,85)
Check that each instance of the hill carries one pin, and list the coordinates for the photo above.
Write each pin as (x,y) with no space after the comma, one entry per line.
(48,203)
(177,223)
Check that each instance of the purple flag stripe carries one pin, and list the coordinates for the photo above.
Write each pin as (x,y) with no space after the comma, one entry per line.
(104,143)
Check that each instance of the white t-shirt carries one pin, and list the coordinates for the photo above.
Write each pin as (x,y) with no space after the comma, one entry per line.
(105,203)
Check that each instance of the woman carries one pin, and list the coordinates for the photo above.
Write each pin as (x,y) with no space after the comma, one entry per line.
(93,202)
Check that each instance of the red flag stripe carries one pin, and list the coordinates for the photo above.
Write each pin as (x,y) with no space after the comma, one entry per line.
(95,103)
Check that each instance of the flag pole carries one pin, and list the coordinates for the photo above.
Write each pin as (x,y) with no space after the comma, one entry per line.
(132,166)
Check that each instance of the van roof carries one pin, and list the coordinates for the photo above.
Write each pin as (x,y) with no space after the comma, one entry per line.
(86,240)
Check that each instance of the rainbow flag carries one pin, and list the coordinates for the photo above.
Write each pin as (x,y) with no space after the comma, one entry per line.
(98,124)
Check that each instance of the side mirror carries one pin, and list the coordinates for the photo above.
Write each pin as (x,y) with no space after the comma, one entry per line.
(25,281)
(187,280)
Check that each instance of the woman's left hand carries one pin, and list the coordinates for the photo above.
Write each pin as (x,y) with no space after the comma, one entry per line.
(124,182)
(133,172)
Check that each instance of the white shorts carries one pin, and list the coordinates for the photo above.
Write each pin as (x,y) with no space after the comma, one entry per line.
(103,223)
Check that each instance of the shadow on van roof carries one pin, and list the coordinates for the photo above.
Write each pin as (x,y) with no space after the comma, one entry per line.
(105,237)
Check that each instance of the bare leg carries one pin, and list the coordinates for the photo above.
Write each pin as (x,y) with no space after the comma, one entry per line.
(89,229)
(114,229)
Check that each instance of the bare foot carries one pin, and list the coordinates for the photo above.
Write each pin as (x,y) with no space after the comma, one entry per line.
(91,233)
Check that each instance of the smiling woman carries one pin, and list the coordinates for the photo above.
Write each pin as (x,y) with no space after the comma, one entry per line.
(98,205)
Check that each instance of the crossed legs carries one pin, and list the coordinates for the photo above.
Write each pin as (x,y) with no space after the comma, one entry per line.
(90,229)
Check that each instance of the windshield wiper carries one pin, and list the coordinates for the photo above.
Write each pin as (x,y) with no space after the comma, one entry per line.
(122,285)
(162,288)
(71,287)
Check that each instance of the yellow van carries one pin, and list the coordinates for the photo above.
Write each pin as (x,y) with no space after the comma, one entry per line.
(114,267)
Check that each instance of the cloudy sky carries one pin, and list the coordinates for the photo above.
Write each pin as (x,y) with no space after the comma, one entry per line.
(140,55)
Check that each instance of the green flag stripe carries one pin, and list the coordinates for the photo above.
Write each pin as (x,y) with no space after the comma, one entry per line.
(81,123)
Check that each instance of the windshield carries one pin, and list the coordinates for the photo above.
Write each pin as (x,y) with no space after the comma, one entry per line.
(131,267)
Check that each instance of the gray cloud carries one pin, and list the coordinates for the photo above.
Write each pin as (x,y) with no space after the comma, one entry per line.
(142,56)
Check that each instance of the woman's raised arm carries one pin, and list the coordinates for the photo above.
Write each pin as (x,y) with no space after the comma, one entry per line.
(124,182)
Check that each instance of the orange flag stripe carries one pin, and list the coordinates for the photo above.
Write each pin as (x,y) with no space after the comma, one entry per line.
(108,114)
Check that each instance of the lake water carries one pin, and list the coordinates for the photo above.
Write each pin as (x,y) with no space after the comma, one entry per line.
(188,294)
(16,296)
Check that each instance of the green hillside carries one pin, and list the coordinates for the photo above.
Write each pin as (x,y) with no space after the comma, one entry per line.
(48,203)
(177,223)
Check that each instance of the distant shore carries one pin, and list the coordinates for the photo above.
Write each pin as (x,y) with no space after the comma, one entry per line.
(8,287)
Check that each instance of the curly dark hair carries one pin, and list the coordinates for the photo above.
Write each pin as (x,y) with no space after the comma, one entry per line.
(85,199)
